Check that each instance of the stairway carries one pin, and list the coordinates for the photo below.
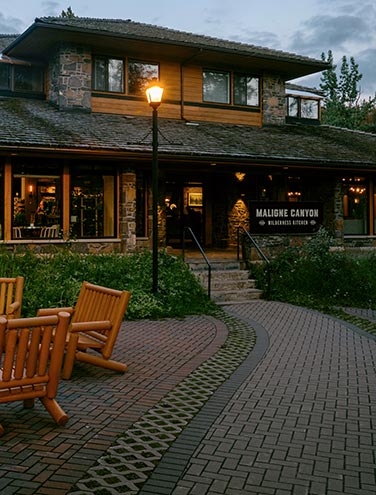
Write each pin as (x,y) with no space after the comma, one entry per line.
(230,282)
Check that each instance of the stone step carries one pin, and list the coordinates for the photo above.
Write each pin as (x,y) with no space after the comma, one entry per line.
(199,265)
(231,296)
(223,275)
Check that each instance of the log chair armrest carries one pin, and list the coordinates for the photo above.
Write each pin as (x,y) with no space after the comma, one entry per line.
(90,326)
(12,308)
(53,311)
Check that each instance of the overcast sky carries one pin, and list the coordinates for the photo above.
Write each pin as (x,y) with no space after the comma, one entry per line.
(305,27)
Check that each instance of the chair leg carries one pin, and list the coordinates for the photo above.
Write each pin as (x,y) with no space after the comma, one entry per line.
(28,403)
(100,361)
(1,430)
(55,410)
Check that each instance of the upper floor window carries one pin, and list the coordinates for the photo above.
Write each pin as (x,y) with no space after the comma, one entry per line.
(108,74)
(246,90)
(227,87)
(303,108)
(216,86)
(139,76)
(21,78)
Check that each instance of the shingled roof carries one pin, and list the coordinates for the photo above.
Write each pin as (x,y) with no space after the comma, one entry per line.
(27,124)
(46,31)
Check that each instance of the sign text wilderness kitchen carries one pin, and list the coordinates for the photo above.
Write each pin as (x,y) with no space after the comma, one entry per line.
(284,218)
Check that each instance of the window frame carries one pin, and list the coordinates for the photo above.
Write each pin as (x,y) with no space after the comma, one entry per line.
(141,92)
(107,83)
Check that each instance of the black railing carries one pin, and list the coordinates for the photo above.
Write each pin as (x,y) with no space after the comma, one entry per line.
(240,242)
(196,241)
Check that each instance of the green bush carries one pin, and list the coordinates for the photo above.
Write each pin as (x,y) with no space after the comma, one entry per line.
(314,276)
(55,281)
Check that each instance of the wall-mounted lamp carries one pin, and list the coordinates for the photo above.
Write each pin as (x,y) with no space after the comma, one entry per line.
(240,176)
(30,191)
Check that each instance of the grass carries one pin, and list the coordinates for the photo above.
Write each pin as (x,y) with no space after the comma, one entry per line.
(55,281)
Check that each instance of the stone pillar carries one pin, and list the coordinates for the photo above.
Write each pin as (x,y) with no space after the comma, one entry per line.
(127,221)
(273,100)
(70,78)
(338,211)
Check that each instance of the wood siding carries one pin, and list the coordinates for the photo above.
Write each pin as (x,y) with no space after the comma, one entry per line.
(191,108)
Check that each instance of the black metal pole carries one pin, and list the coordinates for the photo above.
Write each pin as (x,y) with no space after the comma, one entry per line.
(155,199)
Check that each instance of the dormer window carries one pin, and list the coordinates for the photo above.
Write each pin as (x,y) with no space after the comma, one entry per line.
(303,108)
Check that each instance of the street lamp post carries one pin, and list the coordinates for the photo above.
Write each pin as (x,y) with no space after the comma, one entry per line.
(154,95)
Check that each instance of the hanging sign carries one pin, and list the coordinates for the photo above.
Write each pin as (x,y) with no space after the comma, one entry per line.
(285,217)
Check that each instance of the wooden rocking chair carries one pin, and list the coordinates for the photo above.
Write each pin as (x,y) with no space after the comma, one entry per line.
(95,324)
(11,291)
(31,357)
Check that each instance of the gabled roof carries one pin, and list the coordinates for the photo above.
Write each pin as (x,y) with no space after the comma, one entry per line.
(122,35)
(34,126)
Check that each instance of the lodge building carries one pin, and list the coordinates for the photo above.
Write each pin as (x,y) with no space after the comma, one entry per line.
(237,146)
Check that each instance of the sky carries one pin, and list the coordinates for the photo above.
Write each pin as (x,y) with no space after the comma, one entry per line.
(304,27)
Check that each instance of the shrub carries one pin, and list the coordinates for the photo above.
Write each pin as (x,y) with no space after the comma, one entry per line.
(55,280)
(313,276)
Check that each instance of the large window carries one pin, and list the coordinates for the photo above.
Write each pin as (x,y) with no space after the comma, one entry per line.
(92,207)
(37,202)
(108,74)
(230,88)
(139,76)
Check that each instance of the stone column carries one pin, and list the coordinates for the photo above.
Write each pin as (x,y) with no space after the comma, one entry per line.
(127,221)
(273,100)
(70,78)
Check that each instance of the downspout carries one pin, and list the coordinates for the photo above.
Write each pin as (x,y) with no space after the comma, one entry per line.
(185,62)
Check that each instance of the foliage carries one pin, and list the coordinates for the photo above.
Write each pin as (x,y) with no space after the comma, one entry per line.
(315,276)
(55,280)
(67,13)
(343,104)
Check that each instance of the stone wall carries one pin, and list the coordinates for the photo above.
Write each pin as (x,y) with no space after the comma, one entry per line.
(273,100)
(70,78)
(127,221)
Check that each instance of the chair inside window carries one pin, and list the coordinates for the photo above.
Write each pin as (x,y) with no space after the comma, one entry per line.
(52,231)
(17,233)
(31,356)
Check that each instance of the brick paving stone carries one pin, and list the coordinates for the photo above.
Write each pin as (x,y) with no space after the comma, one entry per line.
(101,404)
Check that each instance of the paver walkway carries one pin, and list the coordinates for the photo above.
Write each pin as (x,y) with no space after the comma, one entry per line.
(302,422)
(298,416)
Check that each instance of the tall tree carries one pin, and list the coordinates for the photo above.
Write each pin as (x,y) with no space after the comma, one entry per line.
(343,104)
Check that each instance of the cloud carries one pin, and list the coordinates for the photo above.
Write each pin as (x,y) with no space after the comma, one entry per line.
(10,25)
(322,33)
(51,8)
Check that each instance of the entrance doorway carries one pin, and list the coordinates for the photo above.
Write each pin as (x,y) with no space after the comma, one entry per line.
(184,208)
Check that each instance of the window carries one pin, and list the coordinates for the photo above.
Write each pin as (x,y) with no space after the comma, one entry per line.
(304,108)
(355,205)
(21,78)
(216,86)
(4,76)
(37,201)
(108,74)
(139,76)
(246,90)
(92,205)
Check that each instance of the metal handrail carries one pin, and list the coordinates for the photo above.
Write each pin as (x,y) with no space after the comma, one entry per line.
(201,251)
(260,252)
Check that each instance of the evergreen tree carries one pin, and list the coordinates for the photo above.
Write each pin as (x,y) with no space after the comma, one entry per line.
(68,13)
(343,104)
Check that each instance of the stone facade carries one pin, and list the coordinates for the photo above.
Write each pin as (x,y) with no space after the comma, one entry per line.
(273,100)
(70,78)
(127,221)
